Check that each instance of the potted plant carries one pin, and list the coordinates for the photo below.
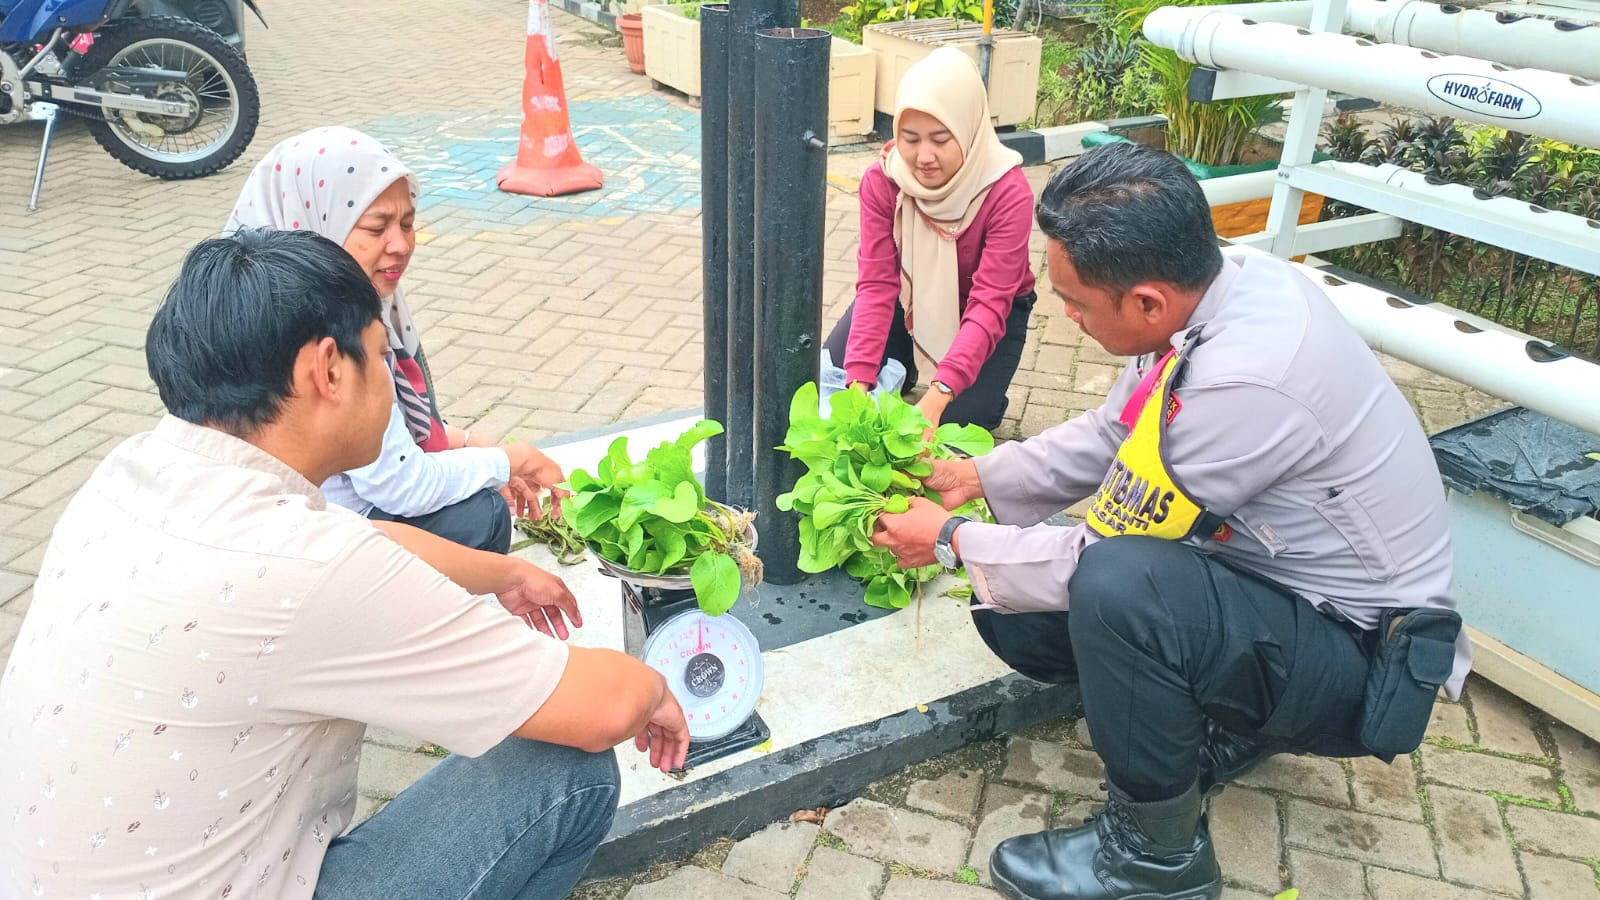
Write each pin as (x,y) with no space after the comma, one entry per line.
(632,29)
(1215,138)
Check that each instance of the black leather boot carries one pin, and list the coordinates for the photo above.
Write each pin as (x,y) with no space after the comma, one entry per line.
(1226,755)
(1129,851)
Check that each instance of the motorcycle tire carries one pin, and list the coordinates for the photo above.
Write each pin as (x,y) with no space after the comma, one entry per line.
(140,140)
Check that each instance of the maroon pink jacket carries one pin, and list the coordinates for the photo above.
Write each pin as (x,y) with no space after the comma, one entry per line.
(992,259)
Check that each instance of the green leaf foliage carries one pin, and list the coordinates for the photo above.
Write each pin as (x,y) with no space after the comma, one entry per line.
(868,456)
(653,517)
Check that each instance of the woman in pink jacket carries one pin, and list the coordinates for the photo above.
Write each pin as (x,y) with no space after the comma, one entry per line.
(943,284)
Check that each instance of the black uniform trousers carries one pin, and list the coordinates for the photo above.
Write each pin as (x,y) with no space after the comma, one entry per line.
(482,521)
(1162,636)
(984,402)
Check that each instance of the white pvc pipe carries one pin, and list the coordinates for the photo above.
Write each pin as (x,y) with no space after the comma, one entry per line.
(1551,104)
(1505,211)
(1512,40)
(1239,188)
(1491,358)
(1519,42)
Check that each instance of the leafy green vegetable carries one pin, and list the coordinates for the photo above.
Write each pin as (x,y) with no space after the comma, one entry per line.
(867,457)
(652,517)
(553,531)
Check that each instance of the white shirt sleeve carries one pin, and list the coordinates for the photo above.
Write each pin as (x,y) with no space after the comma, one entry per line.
(405,481)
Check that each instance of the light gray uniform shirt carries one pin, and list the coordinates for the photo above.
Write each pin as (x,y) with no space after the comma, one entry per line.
(1289,428)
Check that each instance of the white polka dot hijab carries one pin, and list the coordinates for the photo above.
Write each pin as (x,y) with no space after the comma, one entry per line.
(323,180)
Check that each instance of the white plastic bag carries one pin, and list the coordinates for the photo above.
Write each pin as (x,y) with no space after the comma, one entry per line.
(890,378)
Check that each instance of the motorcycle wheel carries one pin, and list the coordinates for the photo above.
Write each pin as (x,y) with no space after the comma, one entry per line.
(219,89)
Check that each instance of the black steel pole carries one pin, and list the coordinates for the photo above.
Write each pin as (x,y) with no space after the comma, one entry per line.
(791,162)
(748,17)
(714,29)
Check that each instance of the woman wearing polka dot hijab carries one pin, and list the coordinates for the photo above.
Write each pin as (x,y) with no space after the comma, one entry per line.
(347,187)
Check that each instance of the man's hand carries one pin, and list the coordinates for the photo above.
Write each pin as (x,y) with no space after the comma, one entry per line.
(910,535)
(540,599)
(666,735)
(538,471)
(956,480)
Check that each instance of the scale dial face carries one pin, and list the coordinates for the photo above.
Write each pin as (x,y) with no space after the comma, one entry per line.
(713,667)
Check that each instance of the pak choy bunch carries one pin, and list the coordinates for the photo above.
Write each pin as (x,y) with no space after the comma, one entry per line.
(653,517)
(868,456)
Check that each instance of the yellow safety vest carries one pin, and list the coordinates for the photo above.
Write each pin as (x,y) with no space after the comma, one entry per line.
(1140,495)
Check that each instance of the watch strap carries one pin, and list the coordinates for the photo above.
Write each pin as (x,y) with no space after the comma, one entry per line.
(948,531)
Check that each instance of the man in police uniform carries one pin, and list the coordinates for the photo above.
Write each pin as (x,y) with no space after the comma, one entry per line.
(1263,501)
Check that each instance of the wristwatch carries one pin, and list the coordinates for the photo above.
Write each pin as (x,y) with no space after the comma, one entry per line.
(942,388)
(942,551)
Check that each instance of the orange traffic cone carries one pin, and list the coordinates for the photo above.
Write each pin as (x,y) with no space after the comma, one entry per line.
(548,163)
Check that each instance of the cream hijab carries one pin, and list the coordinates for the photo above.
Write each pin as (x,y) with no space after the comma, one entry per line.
(944,84)
(323,180)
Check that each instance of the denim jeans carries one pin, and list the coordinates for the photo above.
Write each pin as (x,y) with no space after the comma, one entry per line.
(482,521)
(520,821)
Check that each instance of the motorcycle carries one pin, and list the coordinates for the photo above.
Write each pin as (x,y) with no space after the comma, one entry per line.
(163,93)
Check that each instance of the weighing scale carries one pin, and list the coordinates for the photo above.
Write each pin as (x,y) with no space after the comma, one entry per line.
(712,664)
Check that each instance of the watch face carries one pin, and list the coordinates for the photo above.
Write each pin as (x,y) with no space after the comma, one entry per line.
(945,555)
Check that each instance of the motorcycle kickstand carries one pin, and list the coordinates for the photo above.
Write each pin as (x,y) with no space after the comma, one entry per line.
(50,113)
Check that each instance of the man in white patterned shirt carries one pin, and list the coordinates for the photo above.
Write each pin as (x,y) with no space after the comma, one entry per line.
(183,712)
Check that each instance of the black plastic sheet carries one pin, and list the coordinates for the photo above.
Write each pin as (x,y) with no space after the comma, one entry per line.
(1534,463)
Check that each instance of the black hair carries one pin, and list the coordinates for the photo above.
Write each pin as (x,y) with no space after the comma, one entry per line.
(222,347)
(1127,213)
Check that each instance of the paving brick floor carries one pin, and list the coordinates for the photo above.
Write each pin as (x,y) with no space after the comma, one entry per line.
(546,316)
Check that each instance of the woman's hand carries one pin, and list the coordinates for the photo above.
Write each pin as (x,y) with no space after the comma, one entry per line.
(932,406)
(530,465)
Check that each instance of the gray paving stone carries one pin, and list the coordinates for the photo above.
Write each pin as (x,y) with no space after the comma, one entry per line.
(952,794)
(1387,884)
(1473,848)
(1449,720)
(1580,764)
(1233,893)
(839,876)
(386,772)
(1504,722)
(1007,812)
(897,835)
(923,889)
(366,808)
(1244,828)
(1483,772)
(1054,767)
(695,883)
(1553,833)
(1074,812)
(1558,879)
(1368,838)
(388,737)
(771,857)
(1320,876)
(1080,733)
(1314,777)
(1388,789)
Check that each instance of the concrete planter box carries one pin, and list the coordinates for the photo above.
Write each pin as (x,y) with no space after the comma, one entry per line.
(672,58)
(1013,66)
(672,49)
(852,77)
